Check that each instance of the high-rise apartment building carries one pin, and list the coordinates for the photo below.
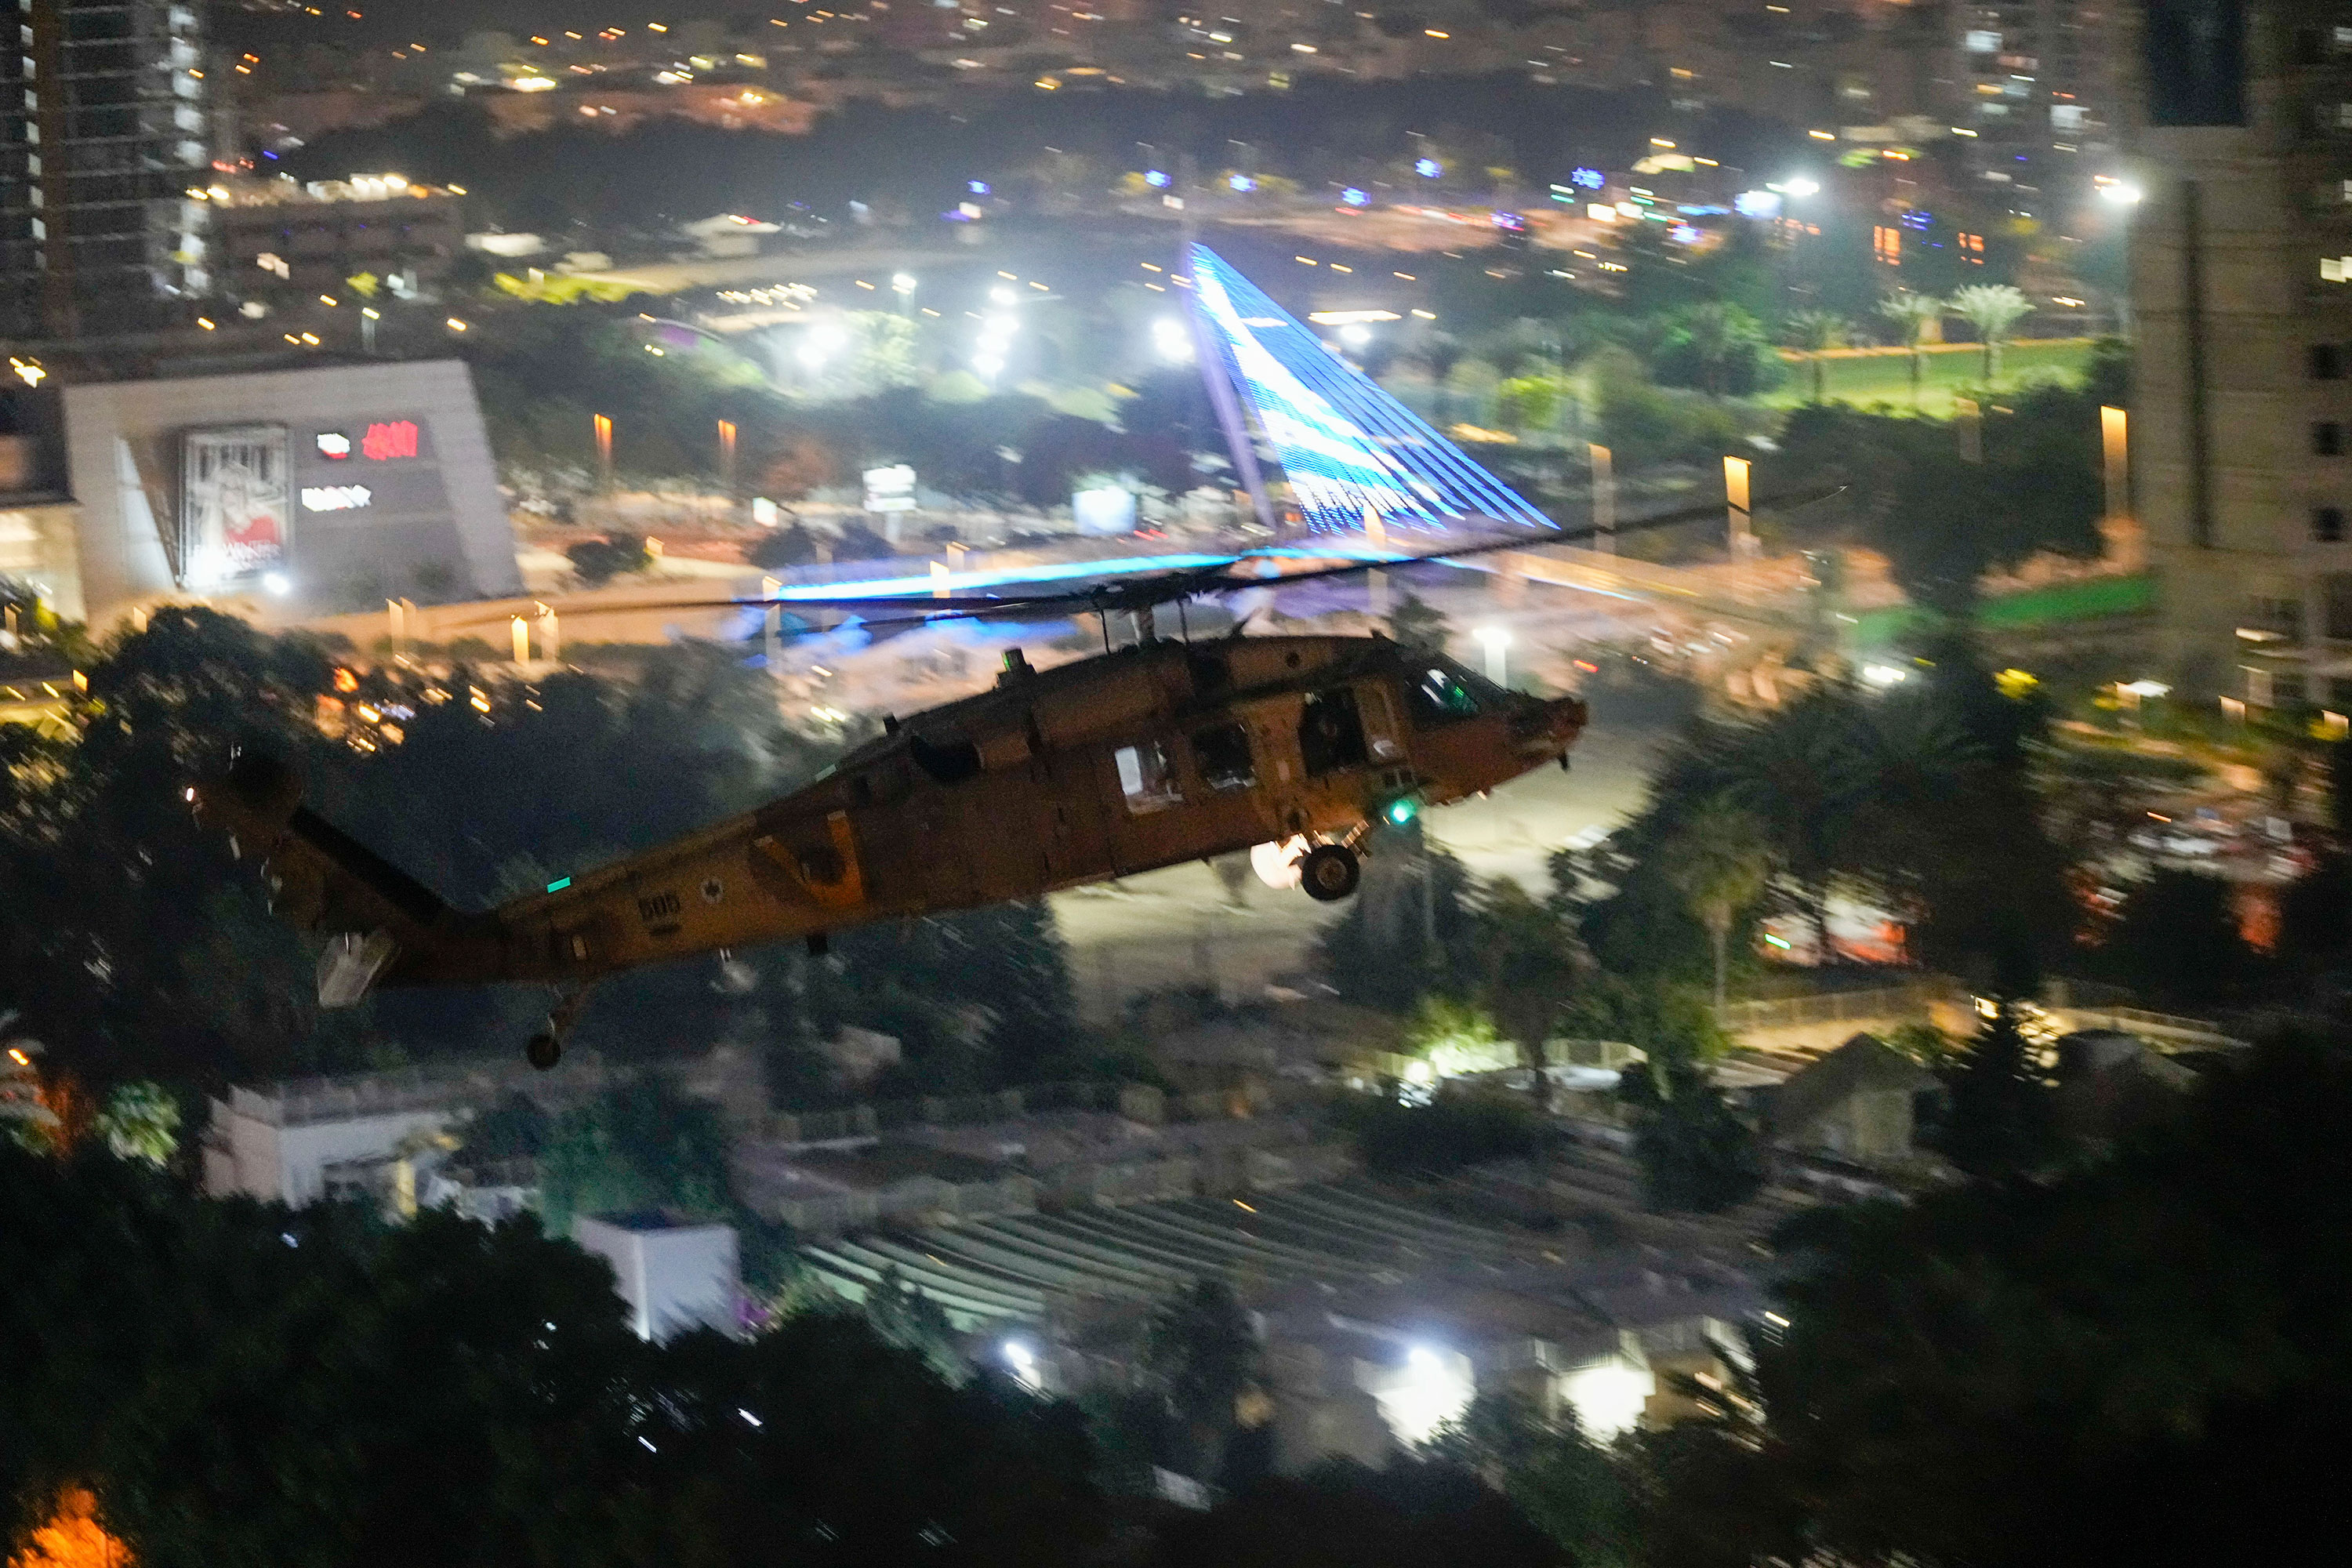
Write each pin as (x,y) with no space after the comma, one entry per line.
(2041,83)
(2241,281)
(102,141)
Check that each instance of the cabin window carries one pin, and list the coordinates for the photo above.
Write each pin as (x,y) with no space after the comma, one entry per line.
(948,762)
(1145,777)
(1442,694)
(1331,732)
(1222,755)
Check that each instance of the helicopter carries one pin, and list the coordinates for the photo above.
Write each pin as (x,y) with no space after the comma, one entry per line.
(1145,756)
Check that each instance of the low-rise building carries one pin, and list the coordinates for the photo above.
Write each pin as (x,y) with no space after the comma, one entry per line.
(302,491)
(305,1140)
(1860,1102)
(675,1276)
(282,240)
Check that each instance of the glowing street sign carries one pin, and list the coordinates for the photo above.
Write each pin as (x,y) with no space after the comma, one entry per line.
(1591,179)
(1428,168)
(336,498)
(387,441)
(334,444)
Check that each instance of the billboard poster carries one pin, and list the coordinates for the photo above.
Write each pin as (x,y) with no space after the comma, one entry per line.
(235,520)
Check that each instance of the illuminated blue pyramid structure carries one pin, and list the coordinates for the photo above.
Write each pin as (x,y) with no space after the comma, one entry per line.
(1347,446)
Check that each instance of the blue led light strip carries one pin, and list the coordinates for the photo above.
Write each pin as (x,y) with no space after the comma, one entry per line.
(1345,446)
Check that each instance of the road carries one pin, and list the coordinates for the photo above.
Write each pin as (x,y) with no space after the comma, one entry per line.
(1174,927)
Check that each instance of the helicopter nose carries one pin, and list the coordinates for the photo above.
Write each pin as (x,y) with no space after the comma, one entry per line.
(1548,727)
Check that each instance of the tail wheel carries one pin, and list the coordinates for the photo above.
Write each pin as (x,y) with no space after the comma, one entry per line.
(1331,872)
(544,1051)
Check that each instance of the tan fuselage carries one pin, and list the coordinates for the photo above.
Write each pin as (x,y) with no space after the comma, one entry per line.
(1143,758)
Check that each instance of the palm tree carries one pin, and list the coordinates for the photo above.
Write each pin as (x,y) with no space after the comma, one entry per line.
(1992,308)
(1912,315)
(1711,332)
(1534,964)
(1815,333)
(1718,863)
(1438,351)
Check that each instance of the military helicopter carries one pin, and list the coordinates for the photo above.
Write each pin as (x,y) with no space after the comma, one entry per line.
(1123,761)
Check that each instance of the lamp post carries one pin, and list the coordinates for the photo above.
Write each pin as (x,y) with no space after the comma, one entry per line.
(1604,498)
(1740,536)
(1496,641)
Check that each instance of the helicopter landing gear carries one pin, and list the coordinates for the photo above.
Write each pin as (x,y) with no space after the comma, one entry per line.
(545,1048)
(1329,872)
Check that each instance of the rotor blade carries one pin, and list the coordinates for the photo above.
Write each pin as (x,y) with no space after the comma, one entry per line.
(1144,592)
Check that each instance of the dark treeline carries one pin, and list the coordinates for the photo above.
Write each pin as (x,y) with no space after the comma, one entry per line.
(913,162)
(2128,1356)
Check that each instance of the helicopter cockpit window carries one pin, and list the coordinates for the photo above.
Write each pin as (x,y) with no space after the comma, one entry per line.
(1331,732)
(1442,693)
(1223,755)
(1145,777)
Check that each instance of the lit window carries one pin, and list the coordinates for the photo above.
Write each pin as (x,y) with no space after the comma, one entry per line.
(1223,756)
(1145,777)
(1441,695)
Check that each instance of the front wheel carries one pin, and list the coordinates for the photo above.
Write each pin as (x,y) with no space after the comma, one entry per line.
(1329,872)
(544,1051)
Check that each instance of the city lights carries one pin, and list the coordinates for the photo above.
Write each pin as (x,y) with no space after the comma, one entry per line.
(1171,340)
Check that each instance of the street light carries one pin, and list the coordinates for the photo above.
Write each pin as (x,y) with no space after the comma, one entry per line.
(1496,641)
(1800,185)
(1171,340)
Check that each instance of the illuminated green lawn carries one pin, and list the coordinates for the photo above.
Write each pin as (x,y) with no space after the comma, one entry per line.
(1885,378)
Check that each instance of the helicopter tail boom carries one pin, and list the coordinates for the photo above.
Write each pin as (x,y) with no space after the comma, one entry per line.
(321,878)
